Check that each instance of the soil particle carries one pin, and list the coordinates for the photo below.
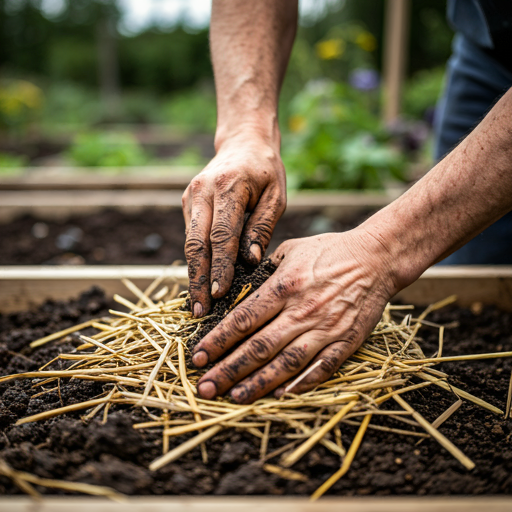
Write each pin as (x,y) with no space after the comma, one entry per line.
(114,454)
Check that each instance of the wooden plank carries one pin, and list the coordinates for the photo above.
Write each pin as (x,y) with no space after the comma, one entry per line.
(396,40)
(23,286)
(475,283)
(100,178)
(61,204)
(260,504)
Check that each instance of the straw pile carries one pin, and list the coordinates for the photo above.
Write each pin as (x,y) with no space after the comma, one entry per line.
(143,355)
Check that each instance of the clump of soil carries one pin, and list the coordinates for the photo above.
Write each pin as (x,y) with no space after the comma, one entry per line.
(113,237)
(244,275)
(116,455)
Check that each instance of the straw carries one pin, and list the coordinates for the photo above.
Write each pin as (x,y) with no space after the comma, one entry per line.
(142,353)
(347,461)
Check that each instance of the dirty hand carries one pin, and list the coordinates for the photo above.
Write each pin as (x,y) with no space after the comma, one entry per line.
(324,299)
(246,175)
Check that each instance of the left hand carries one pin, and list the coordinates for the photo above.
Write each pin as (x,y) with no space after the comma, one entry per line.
(323,301)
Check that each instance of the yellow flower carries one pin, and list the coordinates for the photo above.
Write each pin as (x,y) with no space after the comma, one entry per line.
(330,49)
(296,123)
(19,94)
(366,41)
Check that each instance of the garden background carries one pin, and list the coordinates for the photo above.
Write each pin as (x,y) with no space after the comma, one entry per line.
(82,86)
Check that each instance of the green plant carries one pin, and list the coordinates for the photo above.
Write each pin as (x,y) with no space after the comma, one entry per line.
(336,140)
(103,149)
(192,111)
(10,162)
(422,91)
(69,107)
(20,104)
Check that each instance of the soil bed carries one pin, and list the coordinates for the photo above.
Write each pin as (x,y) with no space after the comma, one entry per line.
(116,455)
(114,237)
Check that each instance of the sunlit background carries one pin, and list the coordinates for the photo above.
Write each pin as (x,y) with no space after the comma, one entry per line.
(115,84)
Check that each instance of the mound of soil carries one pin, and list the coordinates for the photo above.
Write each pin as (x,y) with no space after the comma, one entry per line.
(116,455)
(244,274)
(114,237)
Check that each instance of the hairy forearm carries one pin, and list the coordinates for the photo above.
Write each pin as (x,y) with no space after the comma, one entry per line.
(250,43)
(461,196)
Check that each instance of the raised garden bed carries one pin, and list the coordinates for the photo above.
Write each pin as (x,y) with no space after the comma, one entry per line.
(150,236)
(385,463)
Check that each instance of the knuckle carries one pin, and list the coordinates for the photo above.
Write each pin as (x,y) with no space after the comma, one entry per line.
(225,180)
(330,363)
(195,246)
(196,185)
(260,349)
(292,359)
(280,204)
(304,309)
(285,287)
(242,319)
(263,230)
(332,358)
(221,234)
(330,321)
(185,198)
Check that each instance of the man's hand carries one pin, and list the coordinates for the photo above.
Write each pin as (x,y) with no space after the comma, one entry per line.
(246,175)
(324,299)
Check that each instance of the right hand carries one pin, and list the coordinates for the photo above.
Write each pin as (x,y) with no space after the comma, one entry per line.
(246,175)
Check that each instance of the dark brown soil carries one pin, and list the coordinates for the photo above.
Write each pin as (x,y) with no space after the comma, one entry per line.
(116,455)
(244,274)
(113,237)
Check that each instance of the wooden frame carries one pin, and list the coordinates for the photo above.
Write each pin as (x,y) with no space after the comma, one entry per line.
(100,178)
(24,286)
(60,204)
(260,504)
(21,287)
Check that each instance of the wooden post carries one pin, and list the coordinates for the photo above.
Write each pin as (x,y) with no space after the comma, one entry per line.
(396,40)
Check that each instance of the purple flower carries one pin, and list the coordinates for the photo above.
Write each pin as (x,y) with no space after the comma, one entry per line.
(364,79)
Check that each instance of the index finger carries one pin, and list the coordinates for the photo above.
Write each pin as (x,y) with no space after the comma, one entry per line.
(197,253)
(252,313)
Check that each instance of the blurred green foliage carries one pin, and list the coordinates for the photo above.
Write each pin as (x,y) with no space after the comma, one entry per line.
(68,107)
(106,149)
(10,162)
(336,141)
(422,91)
(332,134)
(193,111)
(20,105)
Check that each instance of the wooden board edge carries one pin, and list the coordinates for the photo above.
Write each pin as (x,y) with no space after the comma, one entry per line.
(62,204)
(22,287)
(257,504)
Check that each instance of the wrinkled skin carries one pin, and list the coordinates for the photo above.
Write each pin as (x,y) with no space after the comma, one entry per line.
(324,299)
(215,205)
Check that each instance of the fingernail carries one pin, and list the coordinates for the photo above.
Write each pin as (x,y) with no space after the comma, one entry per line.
(198,309)
(239,395)
(278,393)
(207,390)
(200,358)
(255,250)
(215,287)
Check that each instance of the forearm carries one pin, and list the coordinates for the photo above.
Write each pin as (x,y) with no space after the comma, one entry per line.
(461,196)
(250,44)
